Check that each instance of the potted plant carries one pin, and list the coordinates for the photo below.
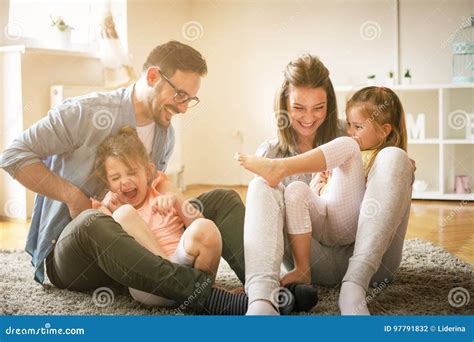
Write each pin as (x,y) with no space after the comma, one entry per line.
(407,78)
(62,31)
(371,80)
(390,81)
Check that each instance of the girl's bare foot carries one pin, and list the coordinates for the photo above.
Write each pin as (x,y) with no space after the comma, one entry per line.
(296,277)
(269,169)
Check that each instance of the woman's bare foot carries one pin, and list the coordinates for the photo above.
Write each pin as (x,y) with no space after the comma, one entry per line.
(269,169)
(296,277)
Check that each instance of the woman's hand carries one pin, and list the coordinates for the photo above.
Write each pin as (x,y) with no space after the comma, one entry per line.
(165,203)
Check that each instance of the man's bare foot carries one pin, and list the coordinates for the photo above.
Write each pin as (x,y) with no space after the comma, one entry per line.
(269,169)
(296,277)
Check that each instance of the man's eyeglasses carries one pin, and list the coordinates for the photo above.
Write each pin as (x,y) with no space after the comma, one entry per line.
(180,95)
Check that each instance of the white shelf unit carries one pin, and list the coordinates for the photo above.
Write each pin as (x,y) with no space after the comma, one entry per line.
(447,150)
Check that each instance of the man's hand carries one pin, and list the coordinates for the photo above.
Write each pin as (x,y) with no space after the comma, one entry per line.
(78,202)
(165,203)
(38,178)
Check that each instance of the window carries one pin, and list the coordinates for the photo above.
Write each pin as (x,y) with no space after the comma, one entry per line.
(31,19)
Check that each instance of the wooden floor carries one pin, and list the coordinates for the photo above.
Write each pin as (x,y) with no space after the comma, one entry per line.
(449,224)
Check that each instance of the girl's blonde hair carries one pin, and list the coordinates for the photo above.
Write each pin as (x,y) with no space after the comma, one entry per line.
(381,106)
(306,71)
(125,146)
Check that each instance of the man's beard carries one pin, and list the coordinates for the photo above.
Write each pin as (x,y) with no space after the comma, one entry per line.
(161,118)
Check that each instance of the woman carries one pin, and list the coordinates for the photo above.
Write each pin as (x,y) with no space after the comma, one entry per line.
(306,111)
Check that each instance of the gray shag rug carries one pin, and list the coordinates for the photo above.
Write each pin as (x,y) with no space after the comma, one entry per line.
(430,281)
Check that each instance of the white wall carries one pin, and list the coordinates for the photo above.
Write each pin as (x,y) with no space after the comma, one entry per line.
(248,43)
(427,31)
(12,195)
(4,5)
(247,46)
(25,98)
(25,81)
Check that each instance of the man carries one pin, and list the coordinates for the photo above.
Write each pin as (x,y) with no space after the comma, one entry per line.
(82,248)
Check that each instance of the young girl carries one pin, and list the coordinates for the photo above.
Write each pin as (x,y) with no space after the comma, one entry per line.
(151,210)
(375,119)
